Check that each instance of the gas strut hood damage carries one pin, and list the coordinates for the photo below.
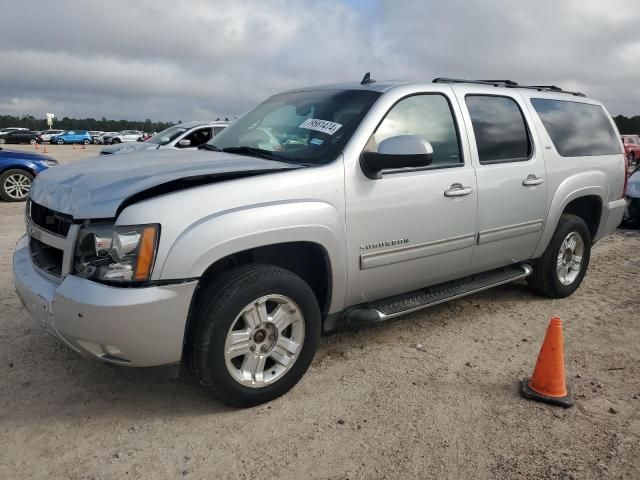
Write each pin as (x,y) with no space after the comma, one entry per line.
(99,187)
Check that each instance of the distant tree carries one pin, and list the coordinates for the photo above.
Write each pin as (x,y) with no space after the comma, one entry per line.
(67,123)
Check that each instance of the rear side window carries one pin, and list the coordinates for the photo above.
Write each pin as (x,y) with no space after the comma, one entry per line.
(577,129)
(499,127)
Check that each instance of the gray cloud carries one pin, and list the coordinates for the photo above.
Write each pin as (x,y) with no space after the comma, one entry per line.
(197,59)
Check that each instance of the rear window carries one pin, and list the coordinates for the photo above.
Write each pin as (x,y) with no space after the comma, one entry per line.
(577,129)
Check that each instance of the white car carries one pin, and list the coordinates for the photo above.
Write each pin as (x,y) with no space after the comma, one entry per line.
(47,134)
(126,136)
(182,136)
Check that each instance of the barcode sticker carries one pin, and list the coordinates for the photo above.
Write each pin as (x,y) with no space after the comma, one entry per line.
(324,126)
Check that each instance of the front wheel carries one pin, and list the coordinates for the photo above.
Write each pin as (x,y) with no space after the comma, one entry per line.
(60,141)
(33,141)
(563,265)
(257,331)
(86,142)
(15,185)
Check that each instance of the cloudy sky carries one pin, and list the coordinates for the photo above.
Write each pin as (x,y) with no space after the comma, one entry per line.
(197,59)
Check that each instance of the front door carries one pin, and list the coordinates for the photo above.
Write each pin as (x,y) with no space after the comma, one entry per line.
(511,178)
(413,227)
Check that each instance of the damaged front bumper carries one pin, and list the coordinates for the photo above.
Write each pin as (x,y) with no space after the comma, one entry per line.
(136,327)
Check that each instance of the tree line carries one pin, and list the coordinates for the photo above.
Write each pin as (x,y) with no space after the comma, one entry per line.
(625,124)
(628,125)
(66,123)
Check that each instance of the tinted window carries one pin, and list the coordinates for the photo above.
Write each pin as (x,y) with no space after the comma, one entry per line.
(499,128)
(577,129)
(428,117)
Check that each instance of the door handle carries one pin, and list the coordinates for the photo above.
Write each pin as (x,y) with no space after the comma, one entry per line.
(457,190)
(532,180)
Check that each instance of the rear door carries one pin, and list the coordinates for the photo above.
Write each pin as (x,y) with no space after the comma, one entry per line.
(510,174)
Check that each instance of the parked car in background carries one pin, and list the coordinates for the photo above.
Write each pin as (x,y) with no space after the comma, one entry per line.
(632,196)
(17,170)
(180,137)
(96,137)
(20,136)
(105,138)
(71,137)
(124,136)
(631,147)
(47,134)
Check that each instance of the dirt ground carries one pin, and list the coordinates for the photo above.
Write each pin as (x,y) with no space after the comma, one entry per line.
(434,395)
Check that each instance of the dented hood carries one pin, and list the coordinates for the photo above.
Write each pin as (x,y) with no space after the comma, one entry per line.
(95,188)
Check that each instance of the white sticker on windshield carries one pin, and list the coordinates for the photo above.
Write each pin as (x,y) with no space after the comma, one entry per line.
(324,126)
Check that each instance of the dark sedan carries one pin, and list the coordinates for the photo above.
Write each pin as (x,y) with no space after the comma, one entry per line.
(21,136)
(17,170)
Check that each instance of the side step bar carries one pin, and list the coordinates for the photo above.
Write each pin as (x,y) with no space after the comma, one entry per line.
(392,307)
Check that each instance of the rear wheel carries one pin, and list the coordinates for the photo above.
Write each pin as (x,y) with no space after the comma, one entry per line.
(115,140)
(15,185)
(257,331)
(563,265)
(60,141)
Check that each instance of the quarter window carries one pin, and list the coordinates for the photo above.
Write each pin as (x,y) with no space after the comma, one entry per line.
(499,127)
(577,129)
(427,116)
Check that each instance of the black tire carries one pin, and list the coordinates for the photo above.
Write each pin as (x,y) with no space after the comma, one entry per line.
(60,141)
(217,307)
(7,196)
(2,141)
(33,141)
(86,142)
(115,140)
(545,279)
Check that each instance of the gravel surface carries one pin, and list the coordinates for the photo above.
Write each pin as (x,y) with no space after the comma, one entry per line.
(434,395)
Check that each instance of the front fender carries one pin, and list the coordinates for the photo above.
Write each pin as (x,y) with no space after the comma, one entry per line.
(581,185)
(225,233)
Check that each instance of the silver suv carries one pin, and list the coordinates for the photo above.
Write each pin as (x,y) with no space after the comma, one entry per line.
(178,137)
(321,209)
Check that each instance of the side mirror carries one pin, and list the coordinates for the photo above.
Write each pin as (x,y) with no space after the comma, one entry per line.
(184,143)
(402,151)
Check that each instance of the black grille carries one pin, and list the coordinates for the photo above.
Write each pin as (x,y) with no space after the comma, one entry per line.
(49,220)
(46,258)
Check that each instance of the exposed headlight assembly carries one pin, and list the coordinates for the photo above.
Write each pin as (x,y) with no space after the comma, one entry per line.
(108,253)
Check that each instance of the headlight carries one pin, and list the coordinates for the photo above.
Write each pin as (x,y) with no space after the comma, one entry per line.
(50,163)
(116,254)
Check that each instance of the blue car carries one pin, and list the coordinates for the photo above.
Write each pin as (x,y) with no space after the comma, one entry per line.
(72,136)
(17,170)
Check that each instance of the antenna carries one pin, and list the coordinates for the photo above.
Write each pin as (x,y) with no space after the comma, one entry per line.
(366,80)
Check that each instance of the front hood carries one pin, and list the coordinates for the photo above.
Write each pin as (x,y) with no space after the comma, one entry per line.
(95,188)
(129,147)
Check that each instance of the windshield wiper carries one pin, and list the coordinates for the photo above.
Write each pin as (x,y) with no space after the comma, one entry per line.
(207,146)
(254,152)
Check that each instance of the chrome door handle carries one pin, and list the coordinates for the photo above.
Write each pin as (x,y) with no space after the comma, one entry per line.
(532,180)
(457,190)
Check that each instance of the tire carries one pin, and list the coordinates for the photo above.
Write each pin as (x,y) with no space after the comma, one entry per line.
(115,140)
(86,142)
(3,141)
(33,141)
(547,278)
(60,141)
(219,312)
(15,185)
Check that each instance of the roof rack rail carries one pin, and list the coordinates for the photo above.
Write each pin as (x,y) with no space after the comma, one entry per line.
(509,84)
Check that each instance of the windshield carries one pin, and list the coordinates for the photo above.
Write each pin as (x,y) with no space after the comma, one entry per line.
(166,136)
(304,127)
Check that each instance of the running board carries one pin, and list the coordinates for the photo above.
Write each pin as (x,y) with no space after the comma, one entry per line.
(392,307)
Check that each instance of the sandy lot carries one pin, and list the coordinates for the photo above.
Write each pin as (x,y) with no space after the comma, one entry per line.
(434,395)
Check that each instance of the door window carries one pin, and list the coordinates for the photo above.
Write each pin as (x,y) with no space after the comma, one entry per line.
(198,137)
(427,116)
(500,129)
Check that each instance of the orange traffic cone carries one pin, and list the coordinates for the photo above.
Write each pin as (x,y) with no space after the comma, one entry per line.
(547,383)
(36,145)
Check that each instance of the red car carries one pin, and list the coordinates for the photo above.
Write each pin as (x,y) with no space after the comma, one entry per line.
(631,147)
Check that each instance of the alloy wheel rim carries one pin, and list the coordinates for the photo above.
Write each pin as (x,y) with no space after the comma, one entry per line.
(264,341)
(17,186)
(569,261)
